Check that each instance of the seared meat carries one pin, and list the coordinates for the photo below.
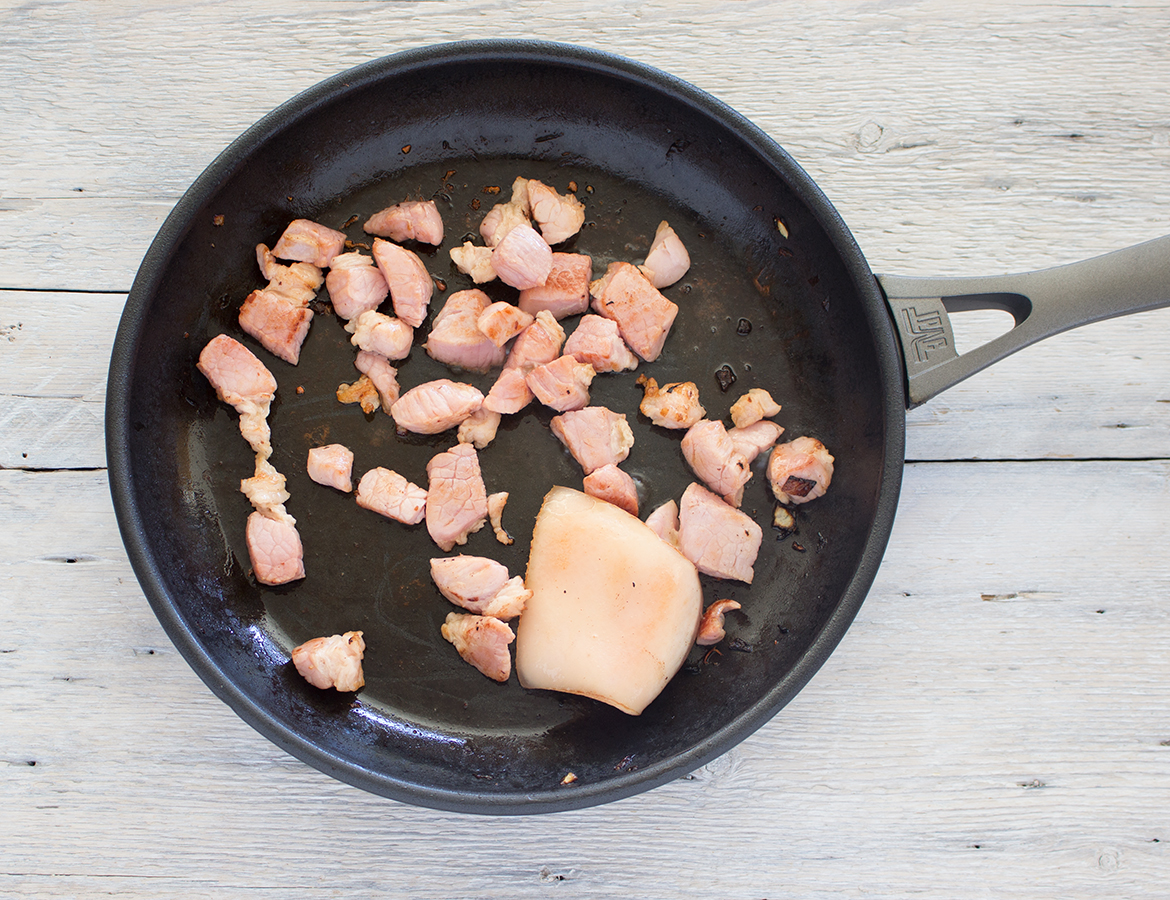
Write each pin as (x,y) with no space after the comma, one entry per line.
(800,470)
(611,484)
(671,406)
(642,314)
(718,538)
(408,280)
(496,503)
(455,338)
(560,216)
(596,341)
(595,436)
(522,259)
(753,406)
(355,285)
(664,522)
(566,290)
(754,439)
(382,334)
(331,465)
(456,496)
(713,456)
(711,627)
(274,547)
(479,429)
(435,406)
(474,261)
(389,494)
(482,641)
(411,220)
(667,260)
(307,241)
(382,375)
(536,345)
(502,321)
(562,384)
(503,217)
(332,662)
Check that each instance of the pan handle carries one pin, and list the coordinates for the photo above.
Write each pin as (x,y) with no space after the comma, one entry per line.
(1043,303)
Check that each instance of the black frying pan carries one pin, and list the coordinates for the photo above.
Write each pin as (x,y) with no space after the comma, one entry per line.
(778,295)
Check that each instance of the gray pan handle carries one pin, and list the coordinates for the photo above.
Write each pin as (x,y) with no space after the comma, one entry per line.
(1043,303)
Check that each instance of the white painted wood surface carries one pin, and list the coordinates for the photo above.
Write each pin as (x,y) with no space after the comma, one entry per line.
(997,721)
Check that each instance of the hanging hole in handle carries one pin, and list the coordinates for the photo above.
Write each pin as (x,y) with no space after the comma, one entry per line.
(978,319)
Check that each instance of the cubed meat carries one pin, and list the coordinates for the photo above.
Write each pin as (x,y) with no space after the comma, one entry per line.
(411,220)
(719,539)
(800,470)
(389,494)
(596,341)
(643,315)
(566,290)
(456,496)
(310,242)
(332,662)
(595,436)
(409,282)
(355,285)
(331,465)
(435,406)
(274,547)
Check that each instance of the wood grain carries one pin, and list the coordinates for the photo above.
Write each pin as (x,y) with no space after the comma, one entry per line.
(994,724)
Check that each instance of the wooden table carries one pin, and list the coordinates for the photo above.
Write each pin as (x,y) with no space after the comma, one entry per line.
(997,721)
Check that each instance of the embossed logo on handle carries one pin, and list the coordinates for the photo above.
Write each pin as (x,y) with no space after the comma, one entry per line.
(926,330)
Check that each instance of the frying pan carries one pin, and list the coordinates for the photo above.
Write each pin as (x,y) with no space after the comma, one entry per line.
(778,296)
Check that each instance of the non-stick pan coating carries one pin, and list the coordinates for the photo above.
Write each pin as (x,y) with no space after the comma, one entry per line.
(453,124)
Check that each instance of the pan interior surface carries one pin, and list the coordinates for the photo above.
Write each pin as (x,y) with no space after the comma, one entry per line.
(776,294)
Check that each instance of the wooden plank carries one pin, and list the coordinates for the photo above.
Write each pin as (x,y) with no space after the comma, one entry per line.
(984,725)
(54,355)
(1061,155)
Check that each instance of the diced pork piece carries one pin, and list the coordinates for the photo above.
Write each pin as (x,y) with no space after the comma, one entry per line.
(435,406)
(409,282)
(800,470)
(307,241)
(667,260)
(387,493)
(274,547)
(711,626)
(642,314)
(611,484)
(502,321)
(332,662)
(595,436)
(566,290)
(469,581)
(664,522)
(496,503)
(362,392)
(331,465)
(411,220)
(298,283)
(754,439)
(280,326)
(382,375)
(560,216)
(510,601)
(673,405)
(474,261)
(455,338)
(596,341)
(379,333)
(266,492)
(562,384)
(479,429)
(753,406)
(355,285)
(503,217)
(510,393)
(482,641)
(235,373)
(718,538)
(712,456)
(456,497)
(522,259)
(480,585)
(536,345)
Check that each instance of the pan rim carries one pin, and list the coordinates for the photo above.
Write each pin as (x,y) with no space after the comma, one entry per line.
(150,576)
